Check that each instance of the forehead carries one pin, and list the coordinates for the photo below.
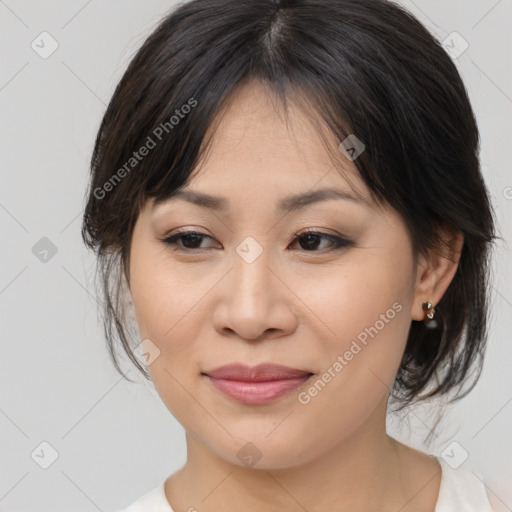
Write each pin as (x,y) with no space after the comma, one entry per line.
(255,143)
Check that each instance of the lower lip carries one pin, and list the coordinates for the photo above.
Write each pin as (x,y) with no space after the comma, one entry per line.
(257,392)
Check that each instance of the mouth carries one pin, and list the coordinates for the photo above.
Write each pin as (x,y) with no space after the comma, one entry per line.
(261,384)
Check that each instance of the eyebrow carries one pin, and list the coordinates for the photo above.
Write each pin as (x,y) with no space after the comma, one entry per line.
(287,204)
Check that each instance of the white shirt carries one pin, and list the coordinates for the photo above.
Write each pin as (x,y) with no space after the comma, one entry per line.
(460,491)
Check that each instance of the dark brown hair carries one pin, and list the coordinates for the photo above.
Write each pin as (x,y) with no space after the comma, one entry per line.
(364,67)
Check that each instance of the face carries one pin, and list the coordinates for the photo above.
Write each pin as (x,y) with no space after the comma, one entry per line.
(252,286)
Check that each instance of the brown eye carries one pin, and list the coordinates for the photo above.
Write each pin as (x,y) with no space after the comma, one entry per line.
(190,240)
(310,240)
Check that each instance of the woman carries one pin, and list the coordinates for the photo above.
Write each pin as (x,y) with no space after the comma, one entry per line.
(289,196)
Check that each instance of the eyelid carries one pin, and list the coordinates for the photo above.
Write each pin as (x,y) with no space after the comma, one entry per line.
(180,232)
(338,241)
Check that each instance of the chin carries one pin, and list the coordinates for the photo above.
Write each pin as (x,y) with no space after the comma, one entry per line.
(266,453)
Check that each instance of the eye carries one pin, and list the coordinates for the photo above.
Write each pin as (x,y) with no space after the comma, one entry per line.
(308,240)
(190,239)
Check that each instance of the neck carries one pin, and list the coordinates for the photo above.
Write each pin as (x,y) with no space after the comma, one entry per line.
(336,480)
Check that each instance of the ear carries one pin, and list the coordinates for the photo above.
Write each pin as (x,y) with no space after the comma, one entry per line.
(435,272)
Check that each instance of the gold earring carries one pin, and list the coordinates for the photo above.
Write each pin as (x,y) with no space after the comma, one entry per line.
(427,306)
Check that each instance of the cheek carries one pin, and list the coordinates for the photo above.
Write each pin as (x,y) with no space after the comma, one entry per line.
(166,298)
(355,296)
(364,312)
(169,311)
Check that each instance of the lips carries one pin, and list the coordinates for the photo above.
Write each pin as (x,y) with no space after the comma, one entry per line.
(261,384)
(260,373)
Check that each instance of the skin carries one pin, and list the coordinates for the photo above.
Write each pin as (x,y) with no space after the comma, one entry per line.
(298,305)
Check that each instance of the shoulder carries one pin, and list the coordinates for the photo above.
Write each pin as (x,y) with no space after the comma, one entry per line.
(154,500)
(462,490)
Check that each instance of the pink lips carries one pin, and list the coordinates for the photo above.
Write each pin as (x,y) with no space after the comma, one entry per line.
(261,384)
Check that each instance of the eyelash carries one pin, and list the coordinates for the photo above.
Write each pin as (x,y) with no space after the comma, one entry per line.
(338,242)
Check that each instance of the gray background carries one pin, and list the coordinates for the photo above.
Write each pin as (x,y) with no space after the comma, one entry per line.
(115,440)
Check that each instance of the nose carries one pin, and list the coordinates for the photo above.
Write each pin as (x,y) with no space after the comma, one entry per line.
(256,302)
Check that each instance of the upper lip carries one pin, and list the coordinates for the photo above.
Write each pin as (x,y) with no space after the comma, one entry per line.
(262,372)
